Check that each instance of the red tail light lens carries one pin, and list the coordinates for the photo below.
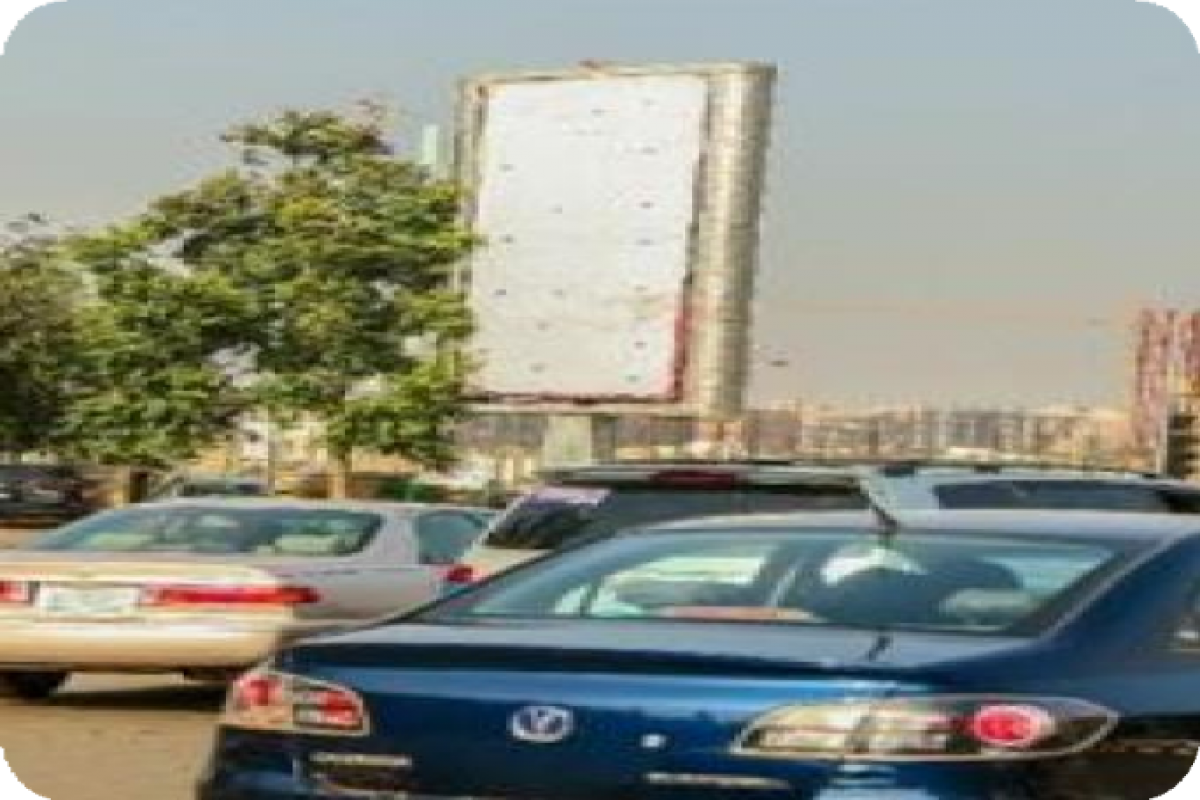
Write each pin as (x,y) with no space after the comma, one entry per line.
(460,575)
(258,690)
(697,479)
(1016,727)
(934,728)
(15,593)
(274,701)
(327,708)
(249,596)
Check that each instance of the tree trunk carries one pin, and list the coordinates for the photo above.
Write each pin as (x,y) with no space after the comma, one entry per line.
(139,485)
(123,495)
(341,469)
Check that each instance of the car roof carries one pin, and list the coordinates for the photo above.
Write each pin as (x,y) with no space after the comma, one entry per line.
(941,475)
(835,469)
(376,506)
(8,466)
(1058,524)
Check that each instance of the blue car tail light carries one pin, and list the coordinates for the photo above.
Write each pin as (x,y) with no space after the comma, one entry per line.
(934,728)
(265,700)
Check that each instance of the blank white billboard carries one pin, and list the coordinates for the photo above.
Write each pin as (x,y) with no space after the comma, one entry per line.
(587,196)
(590,189)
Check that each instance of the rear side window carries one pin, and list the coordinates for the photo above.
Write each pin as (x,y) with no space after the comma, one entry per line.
(1181,502)
(443,537)
(555,516)
(1051,495)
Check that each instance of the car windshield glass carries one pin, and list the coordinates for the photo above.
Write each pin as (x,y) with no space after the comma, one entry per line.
(554,516)
(967,582)
(1052,494)
(213,530)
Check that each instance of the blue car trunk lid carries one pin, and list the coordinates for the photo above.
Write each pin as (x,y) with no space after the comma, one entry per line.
(477,734)
(628,706)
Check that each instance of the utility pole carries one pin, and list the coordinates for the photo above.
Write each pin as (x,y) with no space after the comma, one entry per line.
(271,451)
(1170,430)
(430,155)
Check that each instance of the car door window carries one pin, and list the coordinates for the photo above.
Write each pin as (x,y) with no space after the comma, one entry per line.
(443,537)
(990,495)
(1055,494)
(1089,496)
(1181,502)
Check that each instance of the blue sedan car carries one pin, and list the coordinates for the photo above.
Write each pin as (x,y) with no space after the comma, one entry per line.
(953,656)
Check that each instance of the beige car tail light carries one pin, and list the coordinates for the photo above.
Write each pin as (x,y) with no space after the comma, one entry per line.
(15,593)
(239,596)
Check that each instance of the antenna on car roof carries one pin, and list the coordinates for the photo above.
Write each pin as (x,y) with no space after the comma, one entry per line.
(889,523)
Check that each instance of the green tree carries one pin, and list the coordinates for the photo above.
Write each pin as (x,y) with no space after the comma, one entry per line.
(151,386)
(39,300)
(312,280)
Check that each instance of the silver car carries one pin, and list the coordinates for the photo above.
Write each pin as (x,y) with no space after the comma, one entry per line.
(208,587)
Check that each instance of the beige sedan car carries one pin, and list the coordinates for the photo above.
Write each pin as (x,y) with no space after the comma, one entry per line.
(209,587)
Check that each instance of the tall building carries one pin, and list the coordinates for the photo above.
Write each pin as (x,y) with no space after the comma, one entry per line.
(1166,373)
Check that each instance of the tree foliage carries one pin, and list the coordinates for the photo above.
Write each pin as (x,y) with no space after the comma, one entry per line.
(39,299)
(312,279)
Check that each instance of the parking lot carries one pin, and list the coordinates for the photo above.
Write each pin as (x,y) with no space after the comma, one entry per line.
(132,738)
(10,537)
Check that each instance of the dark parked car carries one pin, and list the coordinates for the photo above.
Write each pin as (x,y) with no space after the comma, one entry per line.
(40,492)
(597,500)
(182,486)
(827,657)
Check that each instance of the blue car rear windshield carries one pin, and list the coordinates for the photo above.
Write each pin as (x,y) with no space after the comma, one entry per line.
(935,582)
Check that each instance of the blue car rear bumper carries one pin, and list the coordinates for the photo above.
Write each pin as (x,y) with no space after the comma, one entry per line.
(250,767)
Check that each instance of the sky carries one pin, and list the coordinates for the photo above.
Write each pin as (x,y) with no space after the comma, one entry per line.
(966,199)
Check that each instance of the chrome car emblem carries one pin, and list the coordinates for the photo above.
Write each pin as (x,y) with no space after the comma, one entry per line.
(542,724)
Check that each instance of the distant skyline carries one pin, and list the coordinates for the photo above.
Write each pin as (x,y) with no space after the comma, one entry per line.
(964,197)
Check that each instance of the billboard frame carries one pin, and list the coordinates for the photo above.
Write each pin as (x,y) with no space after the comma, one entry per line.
(713,350)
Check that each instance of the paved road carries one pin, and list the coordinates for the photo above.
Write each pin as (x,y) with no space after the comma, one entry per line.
(108,738)
(11,537)
(104,738)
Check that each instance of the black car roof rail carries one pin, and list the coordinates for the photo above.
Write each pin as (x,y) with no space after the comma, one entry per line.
(903,467)
(891,467)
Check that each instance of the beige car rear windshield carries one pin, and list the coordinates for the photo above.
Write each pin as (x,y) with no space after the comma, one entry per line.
(215,530)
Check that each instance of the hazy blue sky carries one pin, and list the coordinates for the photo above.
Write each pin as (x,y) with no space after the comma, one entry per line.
(957,186)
